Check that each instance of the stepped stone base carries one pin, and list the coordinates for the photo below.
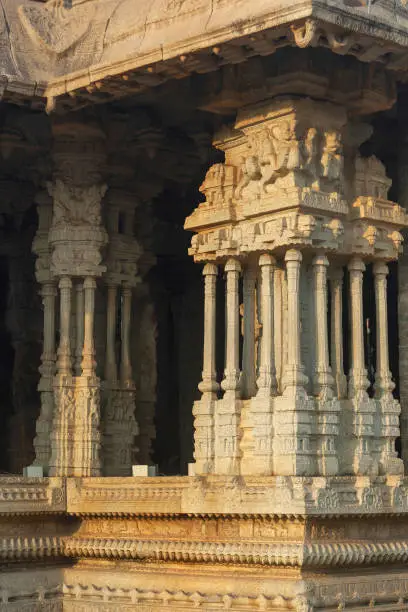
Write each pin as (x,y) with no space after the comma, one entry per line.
(213,543)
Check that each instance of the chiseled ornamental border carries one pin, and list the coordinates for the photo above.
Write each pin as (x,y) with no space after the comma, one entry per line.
(285,496)
(20,495)
(281,496)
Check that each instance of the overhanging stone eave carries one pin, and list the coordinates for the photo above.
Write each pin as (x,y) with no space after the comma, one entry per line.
(303,24)
(94,76)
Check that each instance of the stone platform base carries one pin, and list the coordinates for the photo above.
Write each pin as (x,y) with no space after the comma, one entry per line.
(187,543)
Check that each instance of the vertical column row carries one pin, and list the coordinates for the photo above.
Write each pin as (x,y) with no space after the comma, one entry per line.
(293,433)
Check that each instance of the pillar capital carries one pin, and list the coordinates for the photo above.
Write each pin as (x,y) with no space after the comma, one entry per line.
(65,282)
(320,260)
(233,265)
(293,255)
(356,265)
(48,289)
(380,268)
(266,260)
(89,283)
(210,269)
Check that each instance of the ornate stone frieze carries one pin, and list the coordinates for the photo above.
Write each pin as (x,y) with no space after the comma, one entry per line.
(228,495)
(19,495)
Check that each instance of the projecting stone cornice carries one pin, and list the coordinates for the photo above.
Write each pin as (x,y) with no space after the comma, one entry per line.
(85,51)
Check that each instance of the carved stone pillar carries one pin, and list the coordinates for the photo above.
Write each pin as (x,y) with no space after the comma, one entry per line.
(42,442)
(360,428)
(266,382)
(88,352)
(323,379)
(203,410)
(257,416)
(79,338)
(388,409)
(41,247)
(336,285)
(294,412)
(63,426)
(76,238)
(248,352)
(110,362)
(358,382)
(227,417)
(327,407)
(294,377)
(231,381)
(125,365)
(384,385)
(64,349)
(86,460)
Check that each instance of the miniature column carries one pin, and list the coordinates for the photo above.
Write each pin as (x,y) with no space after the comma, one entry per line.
(79,290)
(327,408)
(257,416)
(383,380)
(294,378)
(323,379)
(110,362)
(87,436)
(248,353)
(64,349)
(227,418)
(267,380)
(62,431)
(358,382)
(358,448)
(388,409)
(203,410)
(336,285)
(42,442)
(125,365)
(294,412)
(231,381)
(209,383)
(88,353)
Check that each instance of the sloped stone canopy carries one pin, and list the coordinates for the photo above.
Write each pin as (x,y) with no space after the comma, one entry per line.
(82,49)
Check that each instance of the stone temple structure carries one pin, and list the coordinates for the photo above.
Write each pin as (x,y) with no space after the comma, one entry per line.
(203,206)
